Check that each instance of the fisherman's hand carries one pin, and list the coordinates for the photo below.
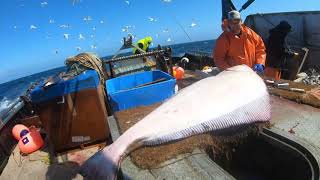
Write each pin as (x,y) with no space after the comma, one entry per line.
(259,68)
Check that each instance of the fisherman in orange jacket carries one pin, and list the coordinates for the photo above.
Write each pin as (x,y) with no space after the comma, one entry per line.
(239,44)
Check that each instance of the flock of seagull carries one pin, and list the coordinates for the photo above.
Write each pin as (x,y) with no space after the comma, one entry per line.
(126,29)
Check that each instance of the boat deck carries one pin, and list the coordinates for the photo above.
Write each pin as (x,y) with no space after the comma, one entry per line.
(298,120)
(295,120)
(40,165)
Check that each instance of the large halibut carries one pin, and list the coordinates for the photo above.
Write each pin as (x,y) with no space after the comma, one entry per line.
(237,96)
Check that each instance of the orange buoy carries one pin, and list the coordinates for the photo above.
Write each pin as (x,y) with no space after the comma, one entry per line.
(19,130)
(31,142)
(178,72)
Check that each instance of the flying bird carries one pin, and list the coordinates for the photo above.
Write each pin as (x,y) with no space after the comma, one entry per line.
(33,27)
(65,26)
(93,46)
(167,1)
(193,24)
(127,28)
(43,4)
(78,48)
(66,36)
(75,1)
(51,21)
(128,2)
(151,19)
(81,37)
(87,18)
(101,22)
(169,39)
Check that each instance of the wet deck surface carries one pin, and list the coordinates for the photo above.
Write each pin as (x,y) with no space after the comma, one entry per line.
(298,120)
(193,165)
(36,167)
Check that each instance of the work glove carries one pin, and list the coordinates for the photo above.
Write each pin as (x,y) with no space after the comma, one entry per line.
(258,68)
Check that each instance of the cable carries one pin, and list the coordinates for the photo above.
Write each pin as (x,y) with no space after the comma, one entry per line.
(176,20)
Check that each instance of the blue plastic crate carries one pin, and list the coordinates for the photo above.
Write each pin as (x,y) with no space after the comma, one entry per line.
(123,92)
(87,80)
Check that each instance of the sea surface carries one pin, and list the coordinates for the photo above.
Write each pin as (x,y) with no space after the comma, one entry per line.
(12,90)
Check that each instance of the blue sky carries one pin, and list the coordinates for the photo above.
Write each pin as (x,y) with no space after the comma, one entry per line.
(27,50)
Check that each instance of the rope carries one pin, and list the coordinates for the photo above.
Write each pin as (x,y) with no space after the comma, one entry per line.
(90,61)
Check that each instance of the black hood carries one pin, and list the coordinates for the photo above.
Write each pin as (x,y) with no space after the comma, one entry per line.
(282,27)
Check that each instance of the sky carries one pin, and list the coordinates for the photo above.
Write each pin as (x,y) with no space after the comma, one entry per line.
(37,35)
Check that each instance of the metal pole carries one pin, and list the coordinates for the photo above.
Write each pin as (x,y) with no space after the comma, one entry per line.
(306,50)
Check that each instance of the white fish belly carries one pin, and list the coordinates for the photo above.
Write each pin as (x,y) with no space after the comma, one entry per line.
(234,97)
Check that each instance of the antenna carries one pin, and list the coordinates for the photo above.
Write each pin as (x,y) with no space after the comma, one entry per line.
(248,3)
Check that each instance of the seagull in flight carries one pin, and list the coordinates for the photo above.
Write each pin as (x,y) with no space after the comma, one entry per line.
(33,27)
(43,4)
(193,24)
(151,19)
(87,18)
(65,26)
(81,37)
(66,36)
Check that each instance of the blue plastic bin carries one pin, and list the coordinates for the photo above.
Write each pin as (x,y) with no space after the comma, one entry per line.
(87,80)
(123,92)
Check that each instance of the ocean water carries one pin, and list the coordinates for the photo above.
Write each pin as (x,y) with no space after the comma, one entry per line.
(12,90)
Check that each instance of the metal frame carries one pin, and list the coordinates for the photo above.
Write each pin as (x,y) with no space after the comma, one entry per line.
(12,110)
(127,44)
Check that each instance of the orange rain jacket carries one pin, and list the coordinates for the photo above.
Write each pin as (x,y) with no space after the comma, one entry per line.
(230,50)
